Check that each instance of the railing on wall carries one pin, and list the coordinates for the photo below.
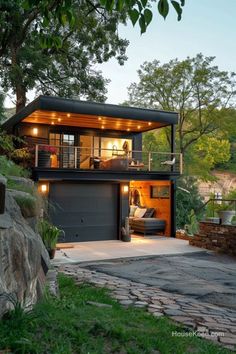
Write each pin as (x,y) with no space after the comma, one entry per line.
(219,211)
(74,157)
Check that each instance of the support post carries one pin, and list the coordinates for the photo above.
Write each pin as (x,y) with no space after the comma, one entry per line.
(172,139)
(173,208)
(36,155)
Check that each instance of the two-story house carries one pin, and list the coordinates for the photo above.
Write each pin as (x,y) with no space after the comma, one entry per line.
(90,164)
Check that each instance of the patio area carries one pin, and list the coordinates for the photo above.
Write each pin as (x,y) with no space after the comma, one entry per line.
(108,250)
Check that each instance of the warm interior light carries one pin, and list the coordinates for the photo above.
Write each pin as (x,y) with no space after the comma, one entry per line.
(52,123)
(68,115)
(125,189)
(149,123)
(59,119)
(99,118)
(103,127)
(43,188)
(35,131)
(139,126)
(128,129)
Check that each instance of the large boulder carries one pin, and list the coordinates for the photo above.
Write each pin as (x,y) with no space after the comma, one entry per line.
(23,258)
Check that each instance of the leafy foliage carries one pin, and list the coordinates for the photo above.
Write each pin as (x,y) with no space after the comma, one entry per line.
(9,168)
(49,233)
(188,201)
(207,153)
(40,50)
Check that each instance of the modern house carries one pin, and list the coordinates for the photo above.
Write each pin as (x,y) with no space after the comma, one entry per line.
(90,163)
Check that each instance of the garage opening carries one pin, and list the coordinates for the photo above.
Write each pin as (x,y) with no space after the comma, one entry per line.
(85,211)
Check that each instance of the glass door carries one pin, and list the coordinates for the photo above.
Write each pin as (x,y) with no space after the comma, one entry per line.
(65,151)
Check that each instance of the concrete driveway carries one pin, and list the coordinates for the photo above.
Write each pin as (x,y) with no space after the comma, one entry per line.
(205,276)
(107,250)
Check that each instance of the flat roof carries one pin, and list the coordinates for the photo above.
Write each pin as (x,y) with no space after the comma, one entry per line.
(50,107)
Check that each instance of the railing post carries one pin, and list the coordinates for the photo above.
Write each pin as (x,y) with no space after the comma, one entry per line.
(76,156)
(36,155)
(181,163)
(149,161)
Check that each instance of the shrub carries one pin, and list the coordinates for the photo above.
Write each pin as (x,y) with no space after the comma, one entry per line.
(188,201)
(11,184)
(9,168)
(28,206)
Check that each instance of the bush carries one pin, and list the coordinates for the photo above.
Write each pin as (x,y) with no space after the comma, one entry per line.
(9,168)
(11,184)
(28,206)
(188,201)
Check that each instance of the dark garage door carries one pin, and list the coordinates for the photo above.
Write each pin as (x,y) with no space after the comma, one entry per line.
(86,212)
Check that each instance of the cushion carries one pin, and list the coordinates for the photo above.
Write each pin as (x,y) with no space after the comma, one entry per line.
(139,212)
(132,210)
(149,213)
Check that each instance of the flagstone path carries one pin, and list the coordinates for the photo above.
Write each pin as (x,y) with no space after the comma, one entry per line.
(206,320)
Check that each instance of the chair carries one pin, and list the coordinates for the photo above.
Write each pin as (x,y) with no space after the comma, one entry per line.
(168,162)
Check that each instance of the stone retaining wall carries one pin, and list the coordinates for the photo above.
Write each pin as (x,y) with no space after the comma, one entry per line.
(220,238)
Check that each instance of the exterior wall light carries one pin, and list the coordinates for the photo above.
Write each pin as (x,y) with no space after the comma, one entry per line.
(43,188)
(125,188)
(35,131)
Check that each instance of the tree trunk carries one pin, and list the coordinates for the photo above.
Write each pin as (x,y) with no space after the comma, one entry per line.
(20,97)
(17,81)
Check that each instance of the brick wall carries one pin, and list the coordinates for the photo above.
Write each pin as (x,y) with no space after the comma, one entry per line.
(220,238)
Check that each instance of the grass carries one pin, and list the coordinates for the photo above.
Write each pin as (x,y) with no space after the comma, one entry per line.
(69,325)
(28,206)
(9,168)
(11,184)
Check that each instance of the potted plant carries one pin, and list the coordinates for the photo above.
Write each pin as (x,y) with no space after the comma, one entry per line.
(49,234)
(225,212)
(44,155)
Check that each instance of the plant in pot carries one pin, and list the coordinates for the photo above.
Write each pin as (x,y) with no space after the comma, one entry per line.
(49,234)
(44,155)
(226,212)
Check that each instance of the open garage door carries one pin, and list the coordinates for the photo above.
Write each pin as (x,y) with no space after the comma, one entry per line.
(85,211)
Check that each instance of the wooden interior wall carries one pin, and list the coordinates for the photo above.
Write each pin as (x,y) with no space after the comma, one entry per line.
(161,205)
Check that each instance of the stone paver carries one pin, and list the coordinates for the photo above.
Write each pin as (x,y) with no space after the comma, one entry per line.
(211,322)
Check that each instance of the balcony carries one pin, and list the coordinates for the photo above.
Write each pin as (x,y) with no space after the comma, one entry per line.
(96,159)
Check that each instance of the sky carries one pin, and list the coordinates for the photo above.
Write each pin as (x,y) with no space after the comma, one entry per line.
(207,26)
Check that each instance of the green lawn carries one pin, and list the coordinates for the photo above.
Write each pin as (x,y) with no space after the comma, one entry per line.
(69,325)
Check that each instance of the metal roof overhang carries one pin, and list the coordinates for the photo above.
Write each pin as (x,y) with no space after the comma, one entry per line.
(69,112)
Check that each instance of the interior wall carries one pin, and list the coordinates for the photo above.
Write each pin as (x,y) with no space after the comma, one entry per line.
(162,205)
(114,144)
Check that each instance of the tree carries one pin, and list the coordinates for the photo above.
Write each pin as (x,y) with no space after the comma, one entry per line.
(194,87)
(63,66)
(207,153)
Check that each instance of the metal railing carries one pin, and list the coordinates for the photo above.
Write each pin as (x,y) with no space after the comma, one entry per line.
(211,211)
(75,157)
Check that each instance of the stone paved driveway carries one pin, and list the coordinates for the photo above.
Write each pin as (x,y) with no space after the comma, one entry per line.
(207,277)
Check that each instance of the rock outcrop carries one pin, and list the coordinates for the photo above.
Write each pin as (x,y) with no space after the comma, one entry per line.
(23,258)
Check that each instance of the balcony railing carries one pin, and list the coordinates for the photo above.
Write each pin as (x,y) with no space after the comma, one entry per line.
(86,158)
